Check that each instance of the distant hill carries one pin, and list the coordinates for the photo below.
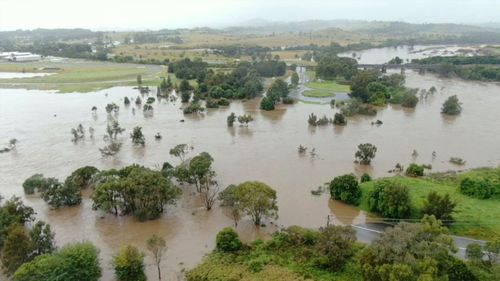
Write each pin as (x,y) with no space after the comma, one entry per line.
(386,28)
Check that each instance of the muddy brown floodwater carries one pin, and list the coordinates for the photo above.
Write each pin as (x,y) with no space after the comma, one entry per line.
(265,151)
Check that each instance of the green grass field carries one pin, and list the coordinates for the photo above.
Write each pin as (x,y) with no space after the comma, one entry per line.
(474,217)
(83,76)
(317,93)
(325,89)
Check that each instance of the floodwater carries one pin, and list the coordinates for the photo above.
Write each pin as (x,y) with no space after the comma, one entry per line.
(407,53)
(266,150)
(9,75)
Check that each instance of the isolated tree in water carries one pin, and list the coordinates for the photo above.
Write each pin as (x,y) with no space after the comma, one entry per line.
(230,119)
(452,106)
(257,200)
(245,119)
(366,152)
(180,151)
(157,246)
(137,136)
(114,129)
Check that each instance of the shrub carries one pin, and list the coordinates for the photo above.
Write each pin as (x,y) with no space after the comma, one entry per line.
(82,177)
(129,264)
(301,236)
(36,182)
(266,104)
(460,272)
(477,188)
(474,252)
(346,189)
(365,178)
(335,243)
(211,103)
(339,119)
(452,106)
(230,119)
(60,195)
(288,100)
(76,262)
(223,102)
(410,101)
(193,107)
(440,206)
(390,199)
(227,240)
(415,170)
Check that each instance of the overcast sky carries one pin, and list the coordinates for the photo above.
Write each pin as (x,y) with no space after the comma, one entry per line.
(156,14)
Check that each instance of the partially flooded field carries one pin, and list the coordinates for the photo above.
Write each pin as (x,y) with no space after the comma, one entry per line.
(266,150)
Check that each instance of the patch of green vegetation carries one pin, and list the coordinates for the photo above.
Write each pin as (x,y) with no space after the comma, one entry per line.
(82,76)
(473,217)
(317,94)
(277,259)
(331,86)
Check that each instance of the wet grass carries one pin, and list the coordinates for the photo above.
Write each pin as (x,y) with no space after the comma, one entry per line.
(83,76)
(317,93)
(261,261)
(477,218)
(331,86)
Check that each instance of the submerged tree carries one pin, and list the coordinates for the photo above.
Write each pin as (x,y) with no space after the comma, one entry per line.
(112,107)
(345,188)
(137,136)
(245,119)
(78,133)
(229,200)
(339,119)
(452,106)
(111,149)
(114,129)
(138,100)
(366,152)
(134,190)
(230,119)
(157,246)
(180,151)
(257,200)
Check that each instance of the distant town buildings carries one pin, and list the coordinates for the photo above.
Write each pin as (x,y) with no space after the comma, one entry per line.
(19,56)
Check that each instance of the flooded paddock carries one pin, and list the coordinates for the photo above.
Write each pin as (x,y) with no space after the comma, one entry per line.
(266,150)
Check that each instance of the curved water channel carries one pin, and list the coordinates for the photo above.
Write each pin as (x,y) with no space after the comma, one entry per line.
(265,151)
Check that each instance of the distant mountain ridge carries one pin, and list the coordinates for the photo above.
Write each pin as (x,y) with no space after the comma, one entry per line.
(258,26)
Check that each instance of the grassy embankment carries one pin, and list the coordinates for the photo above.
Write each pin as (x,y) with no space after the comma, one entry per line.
(262,261)
(323,89)
(82,76)
(477,218)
